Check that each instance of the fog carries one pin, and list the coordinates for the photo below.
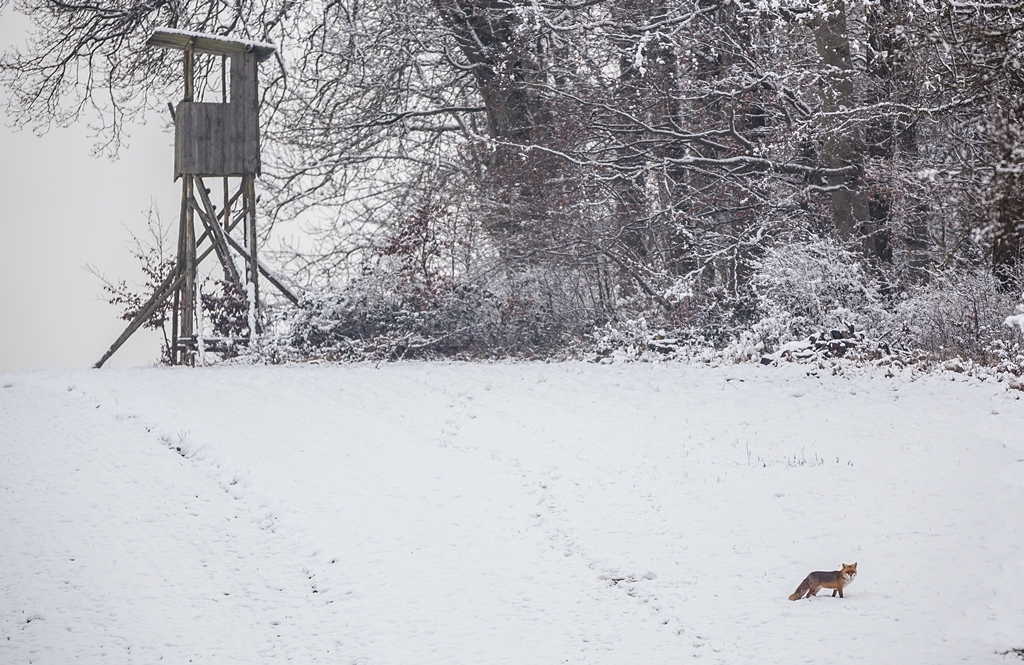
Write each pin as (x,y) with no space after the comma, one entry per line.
(63,209)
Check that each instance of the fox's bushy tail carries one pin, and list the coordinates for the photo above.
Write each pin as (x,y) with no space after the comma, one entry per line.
(804,587)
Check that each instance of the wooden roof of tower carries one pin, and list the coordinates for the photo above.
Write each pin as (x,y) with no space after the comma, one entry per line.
(213,44)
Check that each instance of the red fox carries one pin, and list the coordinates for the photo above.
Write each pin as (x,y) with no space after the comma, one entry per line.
(836,579)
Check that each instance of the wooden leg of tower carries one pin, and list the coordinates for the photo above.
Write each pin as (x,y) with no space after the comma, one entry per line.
(188,288)
(179,262)
(186,237)
(174,327)
(226,211)
(254,270)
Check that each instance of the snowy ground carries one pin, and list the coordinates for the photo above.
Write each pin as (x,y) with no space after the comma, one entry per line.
(510,513)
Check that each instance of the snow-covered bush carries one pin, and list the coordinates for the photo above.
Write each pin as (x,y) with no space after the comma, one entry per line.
(959,314)
(806,300)
(806,287)
(377,316)
(633,339)
(381,315)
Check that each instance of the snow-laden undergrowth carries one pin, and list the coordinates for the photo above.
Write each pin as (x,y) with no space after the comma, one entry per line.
(508,513)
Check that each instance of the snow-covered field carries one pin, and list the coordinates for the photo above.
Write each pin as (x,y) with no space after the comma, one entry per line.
(509,513)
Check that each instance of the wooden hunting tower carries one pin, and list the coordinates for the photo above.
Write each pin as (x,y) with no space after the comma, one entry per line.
(221,140)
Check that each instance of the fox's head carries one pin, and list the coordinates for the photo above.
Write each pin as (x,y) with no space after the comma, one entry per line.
(849,571)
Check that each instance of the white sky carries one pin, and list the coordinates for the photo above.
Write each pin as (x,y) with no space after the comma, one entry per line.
(62,209)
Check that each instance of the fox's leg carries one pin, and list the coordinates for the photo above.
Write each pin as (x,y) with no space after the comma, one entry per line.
(834,591)
(840,593)
(813,591)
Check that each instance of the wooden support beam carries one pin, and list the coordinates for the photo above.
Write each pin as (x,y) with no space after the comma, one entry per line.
(226,212)
(169,286)
(178,262)
(271,277)
(174,324)
(217,231)
(190,69)
(186,229)
(250,235)
(230,227)
(188,268)
(209,219)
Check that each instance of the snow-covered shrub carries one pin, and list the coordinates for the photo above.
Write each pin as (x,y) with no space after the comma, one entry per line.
(226,310)
(379,316)
(382,315)
(621,340)
(636,340)
(631,339)
(539,315)
(411,298)
(959,314)
(807,287)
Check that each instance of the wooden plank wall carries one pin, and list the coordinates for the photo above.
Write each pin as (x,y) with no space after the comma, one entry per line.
(245,94)
(221,139)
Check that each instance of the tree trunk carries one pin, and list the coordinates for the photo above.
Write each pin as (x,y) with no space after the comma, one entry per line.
(500,43)
(841,142)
